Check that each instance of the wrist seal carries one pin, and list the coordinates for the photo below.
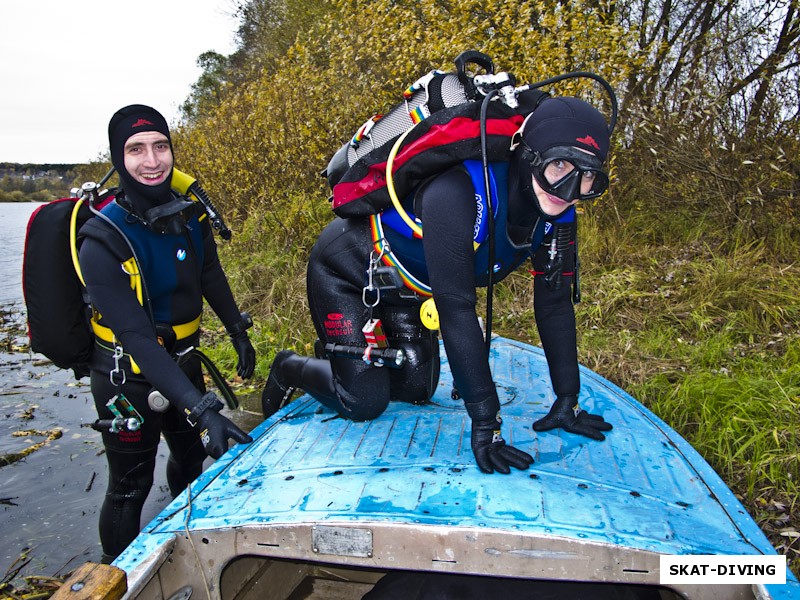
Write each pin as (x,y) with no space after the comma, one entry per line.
(209,400)
(245,323)
(483,410)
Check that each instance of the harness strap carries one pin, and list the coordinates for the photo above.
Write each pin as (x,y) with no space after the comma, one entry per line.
(104,334)
(182,331)
(389,259)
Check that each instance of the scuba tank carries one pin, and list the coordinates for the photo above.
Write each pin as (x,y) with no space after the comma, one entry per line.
(438,125)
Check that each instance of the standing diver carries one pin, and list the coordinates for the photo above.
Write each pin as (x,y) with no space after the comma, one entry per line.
(557,162)
(144,333)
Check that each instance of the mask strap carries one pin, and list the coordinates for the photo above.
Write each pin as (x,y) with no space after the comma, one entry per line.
(516,138)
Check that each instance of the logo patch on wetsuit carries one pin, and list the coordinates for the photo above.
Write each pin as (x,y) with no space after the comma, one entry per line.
(130,437)
(180,254)
(336,325)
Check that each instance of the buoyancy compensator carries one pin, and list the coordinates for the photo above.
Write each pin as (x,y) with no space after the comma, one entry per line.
(58,311)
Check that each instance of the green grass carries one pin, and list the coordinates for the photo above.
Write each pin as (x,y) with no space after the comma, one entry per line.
(709,340)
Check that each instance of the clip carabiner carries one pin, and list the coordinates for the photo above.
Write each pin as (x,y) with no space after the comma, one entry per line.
(116,371)
(374,261)
(377,297)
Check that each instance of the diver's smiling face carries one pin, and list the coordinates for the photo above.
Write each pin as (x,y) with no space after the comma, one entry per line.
(557,172)
(148,157)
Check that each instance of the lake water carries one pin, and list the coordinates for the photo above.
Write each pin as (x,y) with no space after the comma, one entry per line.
(14,217)
(50,500)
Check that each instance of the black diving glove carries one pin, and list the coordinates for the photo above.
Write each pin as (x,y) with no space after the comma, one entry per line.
(567,414)
(491,451)
(213,427)
(247,355)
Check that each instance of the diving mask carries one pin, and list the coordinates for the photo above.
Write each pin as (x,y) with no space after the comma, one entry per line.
(569,173)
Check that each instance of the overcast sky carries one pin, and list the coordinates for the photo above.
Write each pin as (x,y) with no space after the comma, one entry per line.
(67,66)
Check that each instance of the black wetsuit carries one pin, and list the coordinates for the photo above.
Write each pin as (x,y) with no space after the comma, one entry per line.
(179,271)
(447,208)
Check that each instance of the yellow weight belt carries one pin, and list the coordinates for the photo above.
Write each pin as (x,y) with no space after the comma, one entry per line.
(182,331)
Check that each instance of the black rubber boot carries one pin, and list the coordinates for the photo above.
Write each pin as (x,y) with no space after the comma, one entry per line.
(276,393)
(290,372)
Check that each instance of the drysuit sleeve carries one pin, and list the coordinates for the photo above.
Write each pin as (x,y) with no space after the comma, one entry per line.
(111,295)
(216,289)
(555,321)
(448,216)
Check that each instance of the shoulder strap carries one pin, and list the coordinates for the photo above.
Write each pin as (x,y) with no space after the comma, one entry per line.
(113,239)
(105,231)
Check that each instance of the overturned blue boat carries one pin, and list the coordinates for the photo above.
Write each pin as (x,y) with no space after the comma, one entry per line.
(321,507)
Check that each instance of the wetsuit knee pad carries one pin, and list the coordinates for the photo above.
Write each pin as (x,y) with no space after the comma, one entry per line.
(358,391)
(130,474)
(418,378)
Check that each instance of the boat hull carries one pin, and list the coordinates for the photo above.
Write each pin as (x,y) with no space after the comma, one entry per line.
(315,493)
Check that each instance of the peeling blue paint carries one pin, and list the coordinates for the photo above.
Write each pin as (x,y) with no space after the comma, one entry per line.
(644,487)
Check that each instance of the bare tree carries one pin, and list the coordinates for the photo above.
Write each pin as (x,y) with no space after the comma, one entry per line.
(737,59)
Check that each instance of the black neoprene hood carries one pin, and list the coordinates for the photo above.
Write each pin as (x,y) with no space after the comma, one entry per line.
(126,122)
(567,122)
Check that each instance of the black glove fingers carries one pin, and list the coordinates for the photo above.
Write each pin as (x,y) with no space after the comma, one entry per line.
(239,436)
(546,423)
(562,414)
(484,464)
(492,453)
(247,355)
(498,460)
(594,421)
(247,363)
(516,458)
(585,431)
(590,417)
(230,430)
(215,430)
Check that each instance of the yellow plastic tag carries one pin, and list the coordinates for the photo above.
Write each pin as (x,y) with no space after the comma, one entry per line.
(429,314)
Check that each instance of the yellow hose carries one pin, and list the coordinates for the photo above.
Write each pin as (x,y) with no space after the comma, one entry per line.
(393,193)
(390,185)
(73,240)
